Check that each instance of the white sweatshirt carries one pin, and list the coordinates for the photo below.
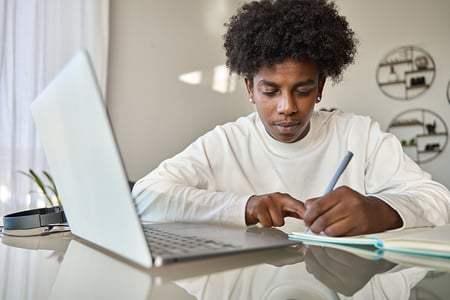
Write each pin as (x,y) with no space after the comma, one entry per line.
(212,179)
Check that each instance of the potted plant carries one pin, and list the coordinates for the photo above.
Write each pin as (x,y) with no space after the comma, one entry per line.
(46,185)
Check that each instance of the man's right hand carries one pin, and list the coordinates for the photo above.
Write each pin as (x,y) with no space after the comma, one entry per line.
(271,209)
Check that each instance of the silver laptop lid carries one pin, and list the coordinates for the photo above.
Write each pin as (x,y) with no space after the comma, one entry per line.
(84,160)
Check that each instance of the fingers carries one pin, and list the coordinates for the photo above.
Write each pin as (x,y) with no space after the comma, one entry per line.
(341,212)
(276,219)
(330,222)
(336,213)
(270,215)
(344,211)
(271,209)
(319,214)
(309,202)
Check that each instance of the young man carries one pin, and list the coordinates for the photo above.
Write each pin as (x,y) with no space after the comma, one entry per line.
(276,162)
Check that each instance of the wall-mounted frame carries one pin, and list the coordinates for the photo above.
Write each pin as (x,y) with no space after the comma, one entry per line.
(405,73)
(423,133)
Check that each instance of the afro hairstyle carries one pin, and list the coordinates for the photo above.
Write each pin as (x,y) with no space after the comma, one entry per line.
(267,32)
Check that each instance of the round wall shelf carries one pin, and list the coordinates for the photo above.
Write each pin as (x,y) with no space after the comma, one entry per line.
(423,133)
(448,91)
(405,73)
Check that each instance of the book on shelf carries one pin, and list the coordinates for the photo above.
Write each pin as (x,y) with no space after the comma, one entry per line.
(422,241)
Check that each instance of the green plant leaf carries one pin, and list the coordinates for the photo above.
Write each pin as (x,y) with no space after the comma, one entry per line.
(52,182)
(38,181)
(53,186)
(33,176)
(55,192)
(26,174)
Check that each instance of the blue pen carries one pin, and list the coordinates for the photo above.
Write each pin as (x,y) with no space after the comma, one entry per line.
(336,176)
(339,172)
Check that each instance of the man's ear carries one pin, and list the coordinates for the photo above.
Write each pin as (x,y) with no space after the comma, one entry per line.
(249,85)
(322,80)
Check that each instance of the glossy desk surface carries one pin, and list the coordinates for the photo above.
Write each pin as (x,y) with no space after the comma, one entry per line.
(63,267)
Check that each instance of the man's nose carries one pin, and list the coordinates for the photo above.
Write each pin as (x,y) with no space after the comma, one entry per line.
(287,104)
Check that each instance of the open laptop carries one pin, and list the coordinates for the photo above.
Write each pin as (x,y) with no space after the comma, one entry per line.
(85,163)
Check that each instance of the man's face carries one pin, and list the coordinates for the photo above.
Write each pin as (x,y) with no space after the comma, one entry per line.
(285,96)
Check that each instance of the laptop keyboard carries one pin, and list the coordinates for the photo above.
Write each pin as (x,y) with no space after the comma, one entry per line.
(164,243)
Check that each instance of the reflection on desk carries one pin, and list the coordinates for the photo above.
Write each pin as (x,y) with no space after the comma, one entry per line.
(87,272)
(28,265)
(326,274)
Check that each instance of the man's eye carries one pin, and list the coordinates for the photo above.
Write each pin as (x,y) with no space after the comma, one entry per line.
(303,92)
(269,93)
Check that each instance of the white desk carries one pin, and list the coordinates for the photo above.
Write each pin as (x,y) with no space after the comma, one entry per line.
(61,267)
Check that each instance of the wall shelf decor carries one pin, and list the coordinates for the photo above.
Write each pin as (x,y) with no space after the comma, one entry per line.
(423,133)
(405,73)
(448,91)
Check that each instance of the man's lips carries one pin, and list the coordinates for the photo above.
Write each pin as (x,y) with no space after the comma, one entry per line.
(287,124)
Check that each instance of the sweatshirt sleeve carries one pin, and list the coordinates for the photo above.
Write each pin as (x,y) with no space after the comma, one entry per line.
(396,179)
(183,188)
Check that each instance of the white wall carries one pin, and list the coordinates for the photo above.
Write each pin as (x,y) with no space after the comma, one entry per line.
(152,42)
(154,114)
(382,26)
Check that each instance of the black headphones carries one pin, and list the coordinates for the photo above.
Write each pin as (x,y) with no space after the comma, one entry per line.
(39,217)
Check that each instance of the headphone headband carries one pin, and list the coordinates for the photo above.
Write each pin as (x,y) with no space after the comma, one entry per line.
(33,218)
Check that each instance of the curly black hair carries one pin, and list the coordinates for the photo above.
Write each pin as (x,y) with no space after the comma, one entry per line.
(266,32)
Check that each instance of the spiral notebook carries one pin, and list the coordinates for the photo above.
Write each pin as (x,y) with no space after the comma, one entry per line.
(427,241)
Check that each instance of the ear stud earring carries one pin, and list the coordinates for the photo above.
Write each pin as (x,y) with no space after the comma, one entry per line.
(250,100)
